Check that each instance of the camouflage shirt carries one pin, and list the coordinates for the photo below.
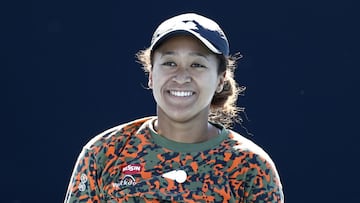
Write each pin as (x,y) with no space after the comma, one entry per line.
(131,163)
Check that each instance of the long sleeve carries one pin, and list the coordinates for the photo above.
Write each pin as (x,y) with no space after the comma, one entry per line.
(264,182)
(83,186)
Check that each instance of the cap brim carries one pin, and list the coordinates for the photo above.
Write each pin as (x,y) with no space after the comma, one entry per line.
(172,33)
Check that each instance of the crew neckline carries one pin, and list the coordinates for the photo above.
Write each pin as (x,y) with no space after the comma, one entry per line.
(187,147)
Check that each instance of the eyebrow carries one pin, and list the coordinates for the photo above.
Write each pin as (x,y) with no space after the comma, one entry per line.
(198,54)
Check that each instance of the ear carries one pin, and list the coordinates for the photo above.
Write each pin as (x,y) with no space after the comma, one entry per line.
(221,82)
(150,83)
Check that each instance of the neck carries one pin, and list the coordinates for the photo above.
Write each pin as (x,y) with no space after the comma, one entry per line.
(185,132)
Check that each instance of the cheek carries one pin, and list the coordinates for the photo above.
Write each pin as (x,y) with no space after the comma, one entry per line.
(211,82)
(156,80)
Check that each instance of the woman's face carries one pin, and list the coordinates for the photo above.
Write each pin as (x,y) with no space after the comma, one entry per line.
(184,78)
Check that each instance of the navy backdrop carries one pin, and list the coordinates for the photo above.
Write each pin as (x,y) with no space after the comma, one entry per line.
(68,72)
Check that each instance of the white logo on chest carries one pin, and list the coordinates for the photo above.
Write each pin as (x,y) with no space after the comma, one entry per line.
(127,180)
(177,175)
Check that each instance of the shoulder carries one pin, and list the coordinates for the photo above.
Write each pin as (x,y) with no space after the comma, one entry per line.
(254,158)
(250,155)
(116,135)
(244,145)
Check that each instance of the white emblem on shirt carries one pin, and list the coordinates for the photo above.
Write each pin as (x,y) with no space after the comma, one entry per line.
(127,180)
(177,175)
(83,180)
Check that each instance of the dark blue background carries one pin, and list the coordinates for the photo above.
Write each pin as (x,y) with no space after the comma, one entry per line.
(68,72)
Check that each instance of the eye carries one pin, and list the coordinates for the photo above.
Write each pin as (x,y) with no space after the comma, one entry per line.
(169,63)
(197,65)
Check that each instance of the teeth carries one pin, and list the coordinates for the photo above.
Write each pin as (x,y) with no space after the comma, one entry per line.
(181,93)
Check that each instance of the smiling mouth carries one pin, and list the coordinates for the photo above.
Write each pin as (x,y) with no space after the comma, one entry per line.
(181,93)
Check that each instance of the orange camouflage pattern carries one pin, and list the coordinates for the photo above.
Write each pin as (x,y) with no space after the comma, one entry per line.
(127,163)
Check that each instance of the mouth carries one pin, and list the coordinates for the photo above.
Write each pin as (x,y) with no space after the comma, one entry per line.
(181,93)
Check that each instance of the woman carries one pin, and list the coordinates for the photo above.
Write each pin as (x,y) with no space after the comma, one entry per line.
(186,153)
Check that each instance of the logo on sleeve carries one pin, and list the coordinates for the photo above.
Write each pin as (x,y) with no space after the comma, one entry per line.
(83,180)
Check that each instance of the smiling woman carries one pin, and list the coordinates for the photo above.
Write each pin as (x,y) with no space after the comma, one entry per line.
(184,78)
(223,107)
(187,152)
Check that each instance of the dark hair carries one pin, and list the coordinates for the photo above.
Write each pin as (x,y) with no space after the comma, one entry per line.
(223,107)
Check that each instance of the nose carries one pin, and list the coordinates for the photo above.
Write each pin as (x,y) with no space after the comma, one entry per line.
(182,76)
